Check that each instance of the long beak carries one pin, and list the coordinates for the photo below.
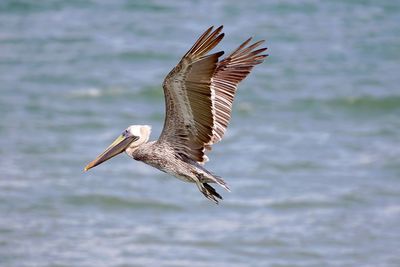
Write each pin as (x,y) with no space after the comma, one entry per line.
(117,147)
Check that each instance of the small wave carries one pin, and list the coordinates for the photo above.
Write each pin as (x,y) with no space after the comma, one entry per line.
(142,55)
(391,211)
(89,92)
(308,201)
(305,201)
(365,105)
(116,202)
(151,93)
(94,92)
(144,6)
(40,6)
(387,103)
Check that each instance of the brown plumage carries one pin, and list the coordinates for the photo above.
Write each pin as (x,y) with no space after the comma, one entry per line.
(199,94)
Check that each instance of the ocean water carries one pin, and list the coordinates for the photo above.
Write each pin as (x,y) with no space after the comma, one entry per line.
(312,153)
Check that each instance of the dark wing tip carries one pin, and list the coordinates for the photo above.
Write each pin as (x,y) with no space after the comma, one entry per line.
(220,53)
(206,42)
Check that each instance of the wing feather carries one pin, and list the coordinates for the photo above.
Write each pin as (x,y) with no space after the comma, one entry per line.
(199,94)
(229,73)
(189,119)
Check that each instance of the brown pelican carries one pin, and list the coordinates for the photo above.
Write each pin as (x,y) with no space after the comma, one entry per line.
(199,93)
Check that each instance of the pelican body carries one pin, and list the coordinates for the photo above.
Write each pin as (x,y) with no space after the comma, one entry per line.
(199,94)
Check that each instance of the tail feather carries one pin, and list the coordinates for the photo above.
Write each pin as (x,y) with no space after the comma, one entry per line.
(208,177)
(222,183)
(209,192)
(204,177)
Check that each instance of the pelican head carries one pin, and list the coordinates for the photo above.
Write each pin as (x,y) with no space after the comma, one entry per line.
(128,141)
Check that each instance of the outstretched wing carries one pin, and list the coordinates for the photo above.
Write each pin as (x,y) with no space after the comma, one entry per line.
(230,71)
(189,119)
(199,93)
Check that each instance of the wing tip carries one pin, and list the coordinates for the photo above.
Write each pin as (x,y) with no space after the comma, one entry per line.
(206,42)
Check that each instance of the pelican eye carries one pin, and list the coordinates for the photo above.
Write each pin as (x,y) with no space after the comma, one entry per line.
(125,133)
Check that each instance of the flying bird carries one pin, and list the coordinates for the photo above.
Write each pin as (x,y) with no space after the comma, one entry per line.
(199,94)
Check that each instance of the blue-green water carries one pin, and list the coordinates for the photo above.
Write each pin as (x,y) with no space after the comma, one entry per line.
(312,154)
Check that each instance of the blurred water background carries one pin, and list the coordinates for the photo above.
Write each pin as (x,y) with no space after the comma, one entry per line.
(312,153)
